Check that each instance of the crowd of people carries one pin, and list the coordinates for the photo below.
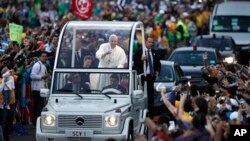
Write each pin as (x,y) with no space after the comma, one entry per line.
(171,25)
(205,114)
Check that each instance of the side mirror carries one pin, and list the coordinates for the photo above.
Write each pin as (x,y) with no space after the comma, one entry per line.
(137,94)
(44,93)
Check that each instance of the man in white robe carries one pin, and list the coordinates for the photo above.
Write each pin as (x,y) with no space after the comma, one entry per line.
(110,55)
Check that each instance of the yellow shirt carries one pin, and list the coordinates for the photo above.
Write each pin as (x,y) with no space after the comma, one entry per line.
(199,20)
(172,26)
(205,15)
(156,33)
(185,115)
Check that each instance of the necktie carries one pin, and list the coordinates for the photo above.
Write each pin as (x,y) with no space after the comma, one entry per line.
(151,69)
(78,55)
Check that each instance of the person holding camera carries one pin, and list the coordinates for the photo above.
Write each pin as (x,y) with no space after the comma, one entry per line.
(174,108)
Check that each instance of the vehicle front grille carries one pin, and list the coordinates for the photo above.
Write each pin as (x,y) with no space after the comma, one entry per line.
(92,122)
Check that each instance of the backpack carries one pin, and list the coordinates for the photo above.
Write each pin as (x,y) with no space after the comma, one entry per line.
(30,69)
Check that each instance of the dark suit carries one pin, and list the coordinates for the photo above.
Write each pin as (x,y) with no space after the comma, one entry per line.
(138,63)
(78,61)
(138,66)
(85,78)
(63,62)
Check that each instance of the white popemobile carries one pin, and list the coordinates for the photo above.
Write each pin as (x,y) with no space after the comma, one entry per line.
(79,108)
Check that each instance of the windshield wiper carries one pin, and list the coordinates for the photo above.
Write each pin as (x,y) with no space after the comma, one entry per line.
(99,92)
(77,93)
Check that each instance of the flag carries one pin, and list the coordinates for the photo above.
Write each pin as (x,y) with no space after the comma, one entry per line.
(82,8)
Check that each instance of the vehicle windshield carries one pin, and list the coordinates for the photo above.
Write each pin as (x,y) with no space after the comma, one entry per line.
(90,83)
(94,47)
(231,24)
(192,58)
(216,43)
(166,75)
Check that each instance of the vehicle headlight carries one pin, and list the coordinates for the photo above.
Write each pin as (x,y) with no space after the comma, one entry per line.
(111,121)
(229,60)
(48,120)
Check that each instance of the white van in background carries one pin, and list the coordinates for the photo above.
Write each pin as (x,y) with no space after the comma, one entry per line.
(233,19)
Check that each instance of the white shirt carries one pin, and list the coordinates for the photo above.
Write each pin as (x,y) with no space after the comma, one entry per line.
(151,56)
(38,70)
(116,59)
(10,84)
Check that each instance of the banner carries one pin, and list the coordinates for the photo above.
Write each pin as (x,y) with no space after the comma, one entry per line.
(82,8)
(16,32)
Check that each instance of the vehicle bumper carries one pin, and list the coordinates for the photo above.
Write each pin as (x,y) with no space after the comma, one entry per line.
(40,136)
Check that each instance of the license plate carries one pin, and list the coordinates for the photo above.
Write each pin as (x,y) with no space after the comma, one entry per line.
(79,133)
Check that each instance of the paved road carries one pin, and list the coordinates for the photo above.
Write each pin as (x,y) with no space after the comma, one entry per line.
(30,137)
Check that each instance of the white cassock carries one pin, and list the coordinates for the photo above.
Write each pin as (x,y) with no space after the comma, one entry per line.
(116,59)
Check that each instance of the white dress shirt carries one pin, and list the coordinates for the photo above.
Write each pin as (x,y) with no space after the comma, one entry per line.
(151,56)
